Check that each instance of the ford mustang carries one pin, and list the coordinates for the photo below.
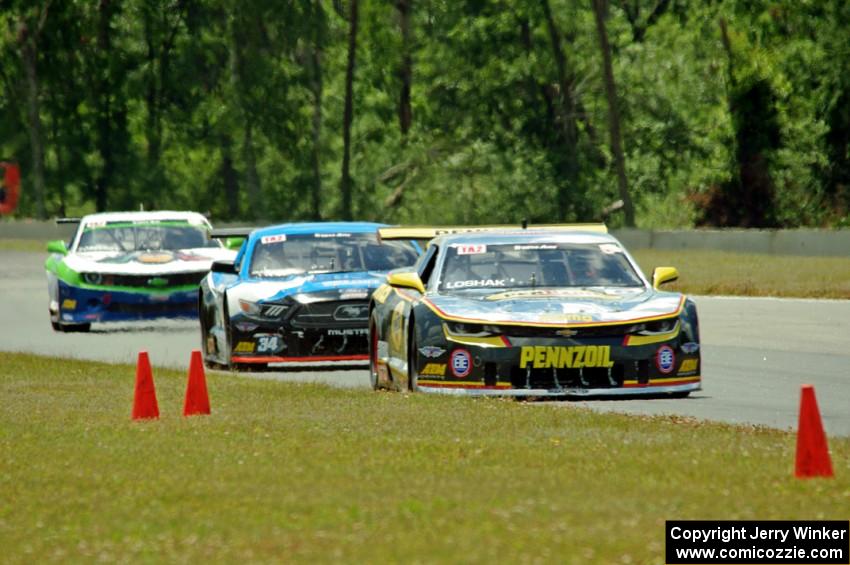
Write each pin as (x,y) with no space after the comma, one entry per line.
(555,311)
(129,266)
(296,293)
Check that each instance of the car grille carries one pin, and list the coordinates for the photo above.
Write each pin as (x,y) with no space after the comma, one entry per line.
(336,313)
(156,281)
(568,378)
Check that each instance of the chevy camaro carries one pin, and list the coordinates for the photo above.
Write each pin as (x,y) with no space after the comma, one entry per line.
(129,266)
(563,311)
(296,293)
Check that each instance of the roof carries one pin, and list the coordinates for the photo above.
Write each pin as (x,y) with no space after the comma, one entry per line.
(318,227)
(525,236)
(161,215)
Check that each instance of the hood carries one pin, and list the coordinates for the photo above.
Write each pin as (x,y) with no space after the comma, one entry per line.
(561,307)
(147,262)
(329,286)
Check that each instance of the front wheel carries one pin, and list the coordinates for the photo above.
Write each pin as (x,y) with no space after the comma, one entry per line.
(412,360)
(374,380)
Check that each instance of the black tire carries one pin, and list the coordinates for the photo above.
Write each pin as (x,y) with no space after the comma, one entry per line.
(412,359)
(373,352)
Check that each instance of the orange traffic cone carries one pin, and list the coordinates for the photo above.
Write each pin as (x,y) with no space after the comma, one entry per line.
(144,401)
(197,400)
(812,451)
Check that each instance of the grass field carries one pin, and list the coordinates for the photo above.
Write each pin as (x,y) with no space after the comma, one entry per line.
(314,473)
(721,272)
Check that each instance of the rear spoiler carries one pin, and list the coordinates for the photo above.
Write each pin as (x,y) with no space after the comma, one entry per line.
(61,221)
(225,233)
(430,232)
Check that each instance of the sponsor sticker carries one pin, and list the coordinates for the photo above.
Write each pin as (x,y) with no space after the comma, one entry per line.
(688,366)
(572,357)
(155,258)
(349,331)
(461,363)
(244,347)
(330,235)
(431,351)
(382,293)
(434,370)
(533,247)
(272,238)
(475,249)
(350,294)
(481,283)
(610,248)
(69,304)
(557,317)
(665,359)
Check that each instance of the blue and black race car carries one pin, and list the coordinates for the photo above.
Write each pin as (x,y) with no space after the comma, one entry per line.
(551,311)
(296,293)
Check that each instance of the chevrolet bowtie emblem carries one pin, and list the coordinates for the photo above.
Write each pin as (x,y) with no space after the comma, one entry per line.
(567,332)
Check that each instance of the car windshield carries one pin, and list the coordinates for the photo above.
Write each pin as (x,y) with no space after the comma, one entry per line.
(471,266)
(144,236)
(284,255)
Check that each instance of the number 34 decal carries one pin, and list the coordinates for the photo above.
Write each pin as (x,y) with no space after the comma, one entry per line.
(268,343)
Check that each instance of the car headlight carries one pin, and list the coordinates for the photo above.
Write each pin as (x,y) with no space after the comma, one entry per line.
(472,330)
(250,308)
(93,278)
(654,328)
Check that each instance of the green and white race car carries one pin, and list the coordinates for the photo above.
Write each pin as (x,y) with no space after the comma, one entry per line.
(126,266)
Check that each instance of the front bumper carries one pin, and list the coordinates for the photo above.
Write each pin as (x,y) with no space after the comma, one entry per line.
(82,305)
(525,367)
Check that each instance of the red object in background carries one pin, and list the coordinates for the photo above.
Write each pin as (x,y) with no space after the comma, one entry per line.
(197,400)
(144,400)
(812,451)
(10,187)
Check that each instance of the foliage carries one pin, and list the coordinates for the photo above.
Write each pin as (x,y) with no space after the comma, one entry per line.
(236,109)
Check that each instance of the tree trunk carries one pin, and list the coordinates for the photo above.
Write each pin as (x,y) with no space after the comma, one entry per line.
(613,113)
(252,177)
(229,177)
(405,112)
(29,56)
(102,92)
(345,181)
(316,199)
(569,129)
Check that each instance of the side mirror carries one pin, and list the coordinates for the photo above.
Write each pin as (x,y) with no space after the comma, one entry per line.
(406,280)
(57,246)
(226,267)
(662,275)
(234,242)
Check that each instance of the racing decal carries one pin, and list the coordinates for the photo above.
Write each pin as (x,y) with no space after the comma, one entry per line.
(349,331)
(550,293)
(268,343)
(688,366)
(273,238)
(476,249)
(572,357)
(610,248)
(431,351)
(565,318)
(331,235)
(665,359)
(479,283)
(244,347)
(434,369)
(352,294)
(382,293)
(155,258)
(397,328)
(69,304)
(533,247)
(690,348)
(461,363)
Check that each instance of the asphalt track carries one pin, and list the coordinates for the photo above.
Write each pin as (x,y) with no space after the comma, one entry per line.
(756,352)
